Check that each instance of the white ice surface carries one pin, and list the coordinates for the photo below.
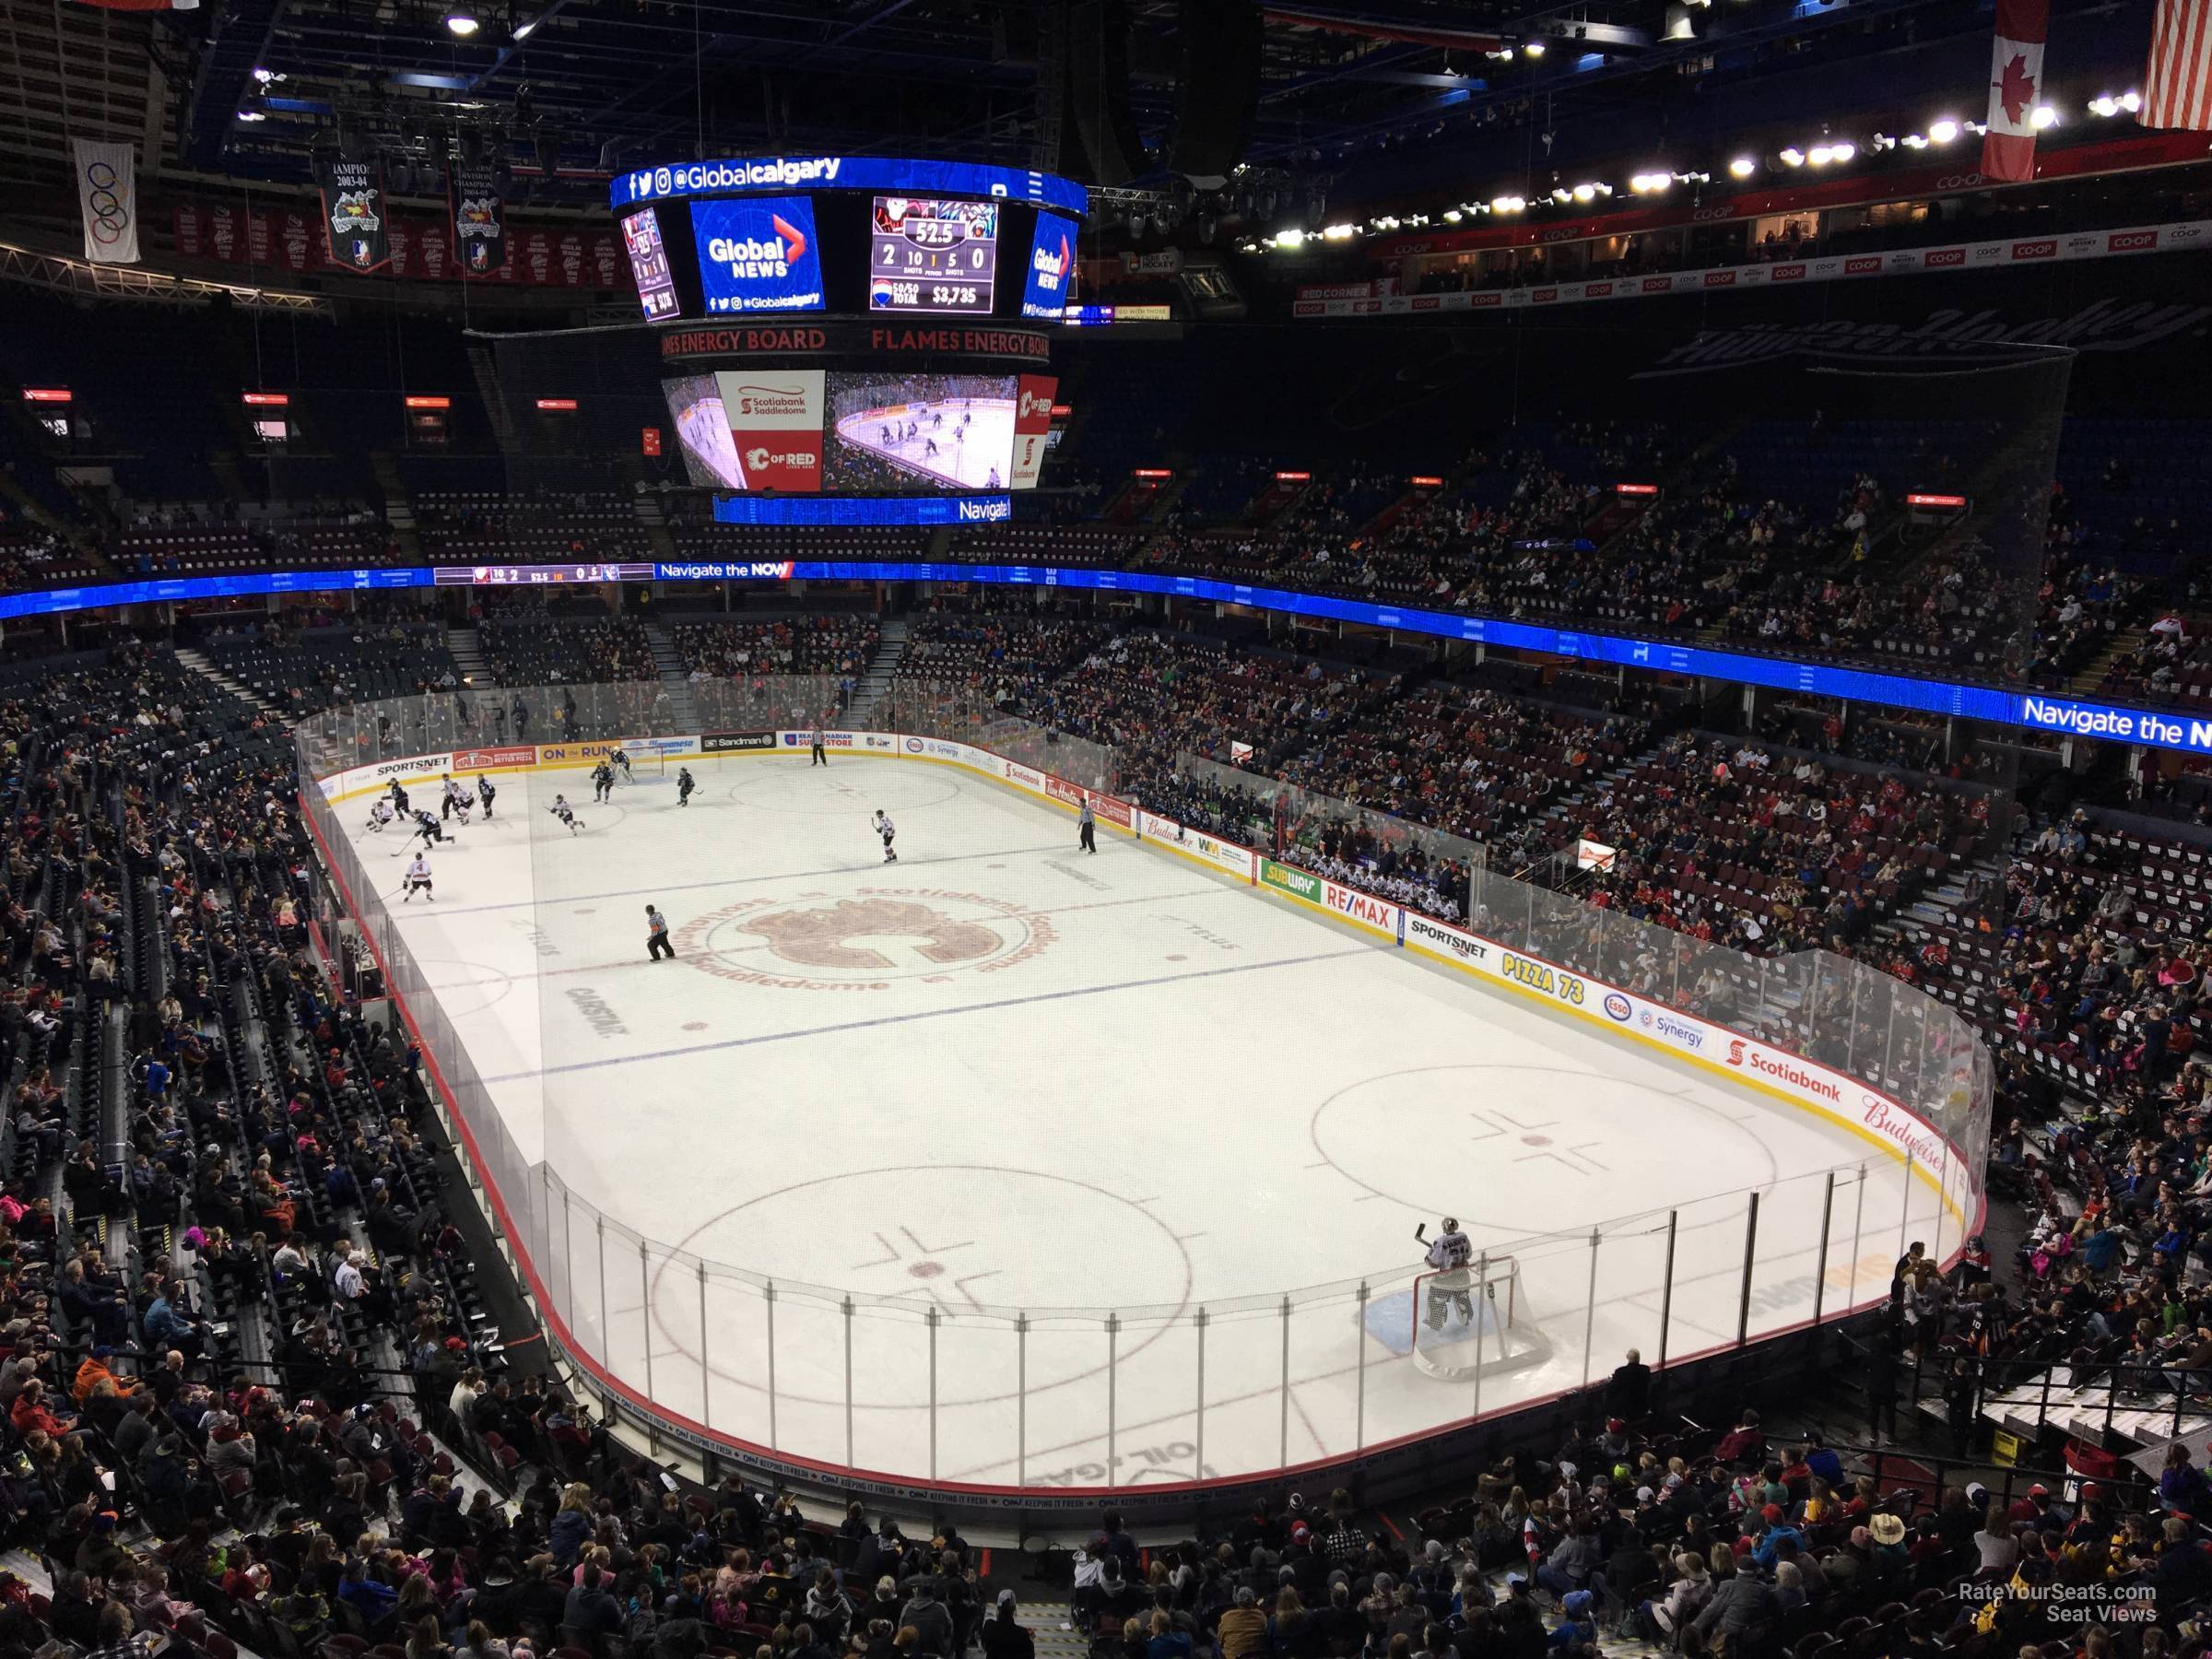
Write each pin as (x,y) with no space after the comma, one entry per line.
(1002,1077)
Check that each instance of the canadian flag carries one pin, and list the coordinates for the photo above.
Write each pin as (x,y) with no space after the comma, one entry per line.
(2015,87)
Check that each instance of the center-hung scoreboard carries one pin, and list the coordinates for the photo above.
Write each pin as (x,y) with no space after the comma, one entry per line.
(865,328)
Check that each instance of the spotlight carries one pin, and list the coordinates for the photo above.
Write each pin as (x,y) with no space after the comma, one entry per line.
(1743,167)
(1534,49)
(1914,141)
(1842,152)
(461,22)
(2044,116)
(2105,105)
(1452,216)
(1944,131)
(1562,194)
(2131,101)
(1820,155)
(250,115)
(1586,192)
(1793,157)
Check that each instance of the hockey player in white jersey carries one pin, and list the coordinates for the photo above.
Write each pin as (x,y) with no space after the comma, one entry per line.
(565,813)
(381,814)
(419,879)
(1451,1284)
(884,828)
(457,799)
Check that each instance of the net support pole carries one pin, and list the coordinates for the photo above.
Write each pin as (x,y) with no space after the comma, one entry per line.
(1666,1286)
(1858,1230)
(1113,1334)
(1199,1455)
(1482,1279)
(1359,1393)
(706,1373)
(1828,1210)
(768,1301)
(1743,1306)
(652,1437)
(1589,1311)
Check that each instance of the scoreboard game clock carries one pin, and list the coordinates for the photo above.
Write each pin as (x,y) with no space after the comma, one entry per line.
(932,255)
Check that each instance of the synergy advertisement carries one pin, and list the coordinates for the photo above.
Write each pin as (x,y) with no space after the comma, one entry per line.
(932,255)
(775,425)
(758,254)
(1049,282)
(931,432)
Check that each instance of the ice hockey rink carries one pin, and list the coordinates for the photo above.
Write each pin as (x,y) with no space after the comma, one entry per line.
(1001,1083)
(964,458)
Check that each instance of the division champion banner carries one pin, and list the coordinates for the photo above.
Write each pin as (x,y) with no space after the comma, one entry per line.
(107,196)
(478,211)
(354,215)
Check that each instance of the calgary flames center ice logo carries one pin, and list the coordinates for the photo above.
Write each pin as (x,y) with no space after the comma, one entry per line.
(818,939)
(830,942)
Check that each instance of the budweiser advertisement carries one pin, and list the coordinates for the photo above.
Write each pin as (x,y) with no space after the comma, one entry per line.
(775,417)
(1032,420)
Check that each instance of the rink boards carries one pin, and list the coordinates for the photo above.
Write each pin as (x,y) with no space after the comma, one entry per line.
(1745,1060)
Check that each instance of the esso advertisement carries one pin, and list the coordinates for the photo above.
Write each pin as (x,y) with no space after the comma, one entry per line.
(758,254)
(1050,280)
(1032,421)
(775,420)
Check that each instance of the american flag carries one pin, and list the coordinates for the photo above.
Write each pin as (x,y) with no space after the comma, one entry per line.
(2177,86)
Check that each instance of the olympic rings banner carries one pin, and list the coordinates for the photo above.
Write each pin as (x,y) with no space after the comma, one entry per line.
(107,194)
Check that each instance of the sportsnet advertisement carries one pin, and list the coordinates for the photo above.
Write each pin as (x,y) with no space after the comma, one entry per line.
(1434,938)
(759,254)
(1032,420)
(775,421)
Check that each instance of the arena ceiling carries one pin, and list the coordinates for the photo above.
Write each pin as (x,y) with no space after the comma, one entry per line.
(568,88)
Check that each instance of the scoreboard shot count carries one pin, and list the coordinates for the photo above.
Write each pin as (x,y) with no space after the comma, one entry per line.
(927,254)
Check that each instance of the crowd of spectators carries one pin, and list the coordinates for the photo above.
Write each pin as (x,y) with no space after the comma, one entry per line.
(837,644)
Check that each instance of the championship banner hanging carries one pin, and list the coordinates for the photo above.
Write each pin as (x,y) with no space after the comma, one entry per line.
(107,195)
(479,212)
(354,217)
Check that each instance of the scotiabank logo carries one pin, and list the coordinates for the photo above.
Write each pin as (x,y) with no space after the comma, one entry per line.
(1742,1053)
(2047,248)
(1017,773)
(2132,242)
(1865,265)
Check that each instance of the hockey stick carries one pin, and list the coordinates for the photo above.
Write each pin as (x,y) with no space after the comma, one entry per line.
(1420,1233)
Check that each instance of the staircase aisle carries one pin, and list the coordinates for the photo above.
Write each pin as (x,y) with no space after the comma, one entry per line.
(468,655)
(674,678)
(198,662)
(876,679)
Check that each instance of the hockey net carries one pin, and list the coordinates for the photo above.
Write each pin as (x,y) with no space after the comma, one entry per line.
(1474,1321)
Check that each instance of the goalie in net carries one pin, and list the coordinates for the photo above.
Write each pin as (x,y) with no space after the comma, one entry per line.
(1450,1283)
